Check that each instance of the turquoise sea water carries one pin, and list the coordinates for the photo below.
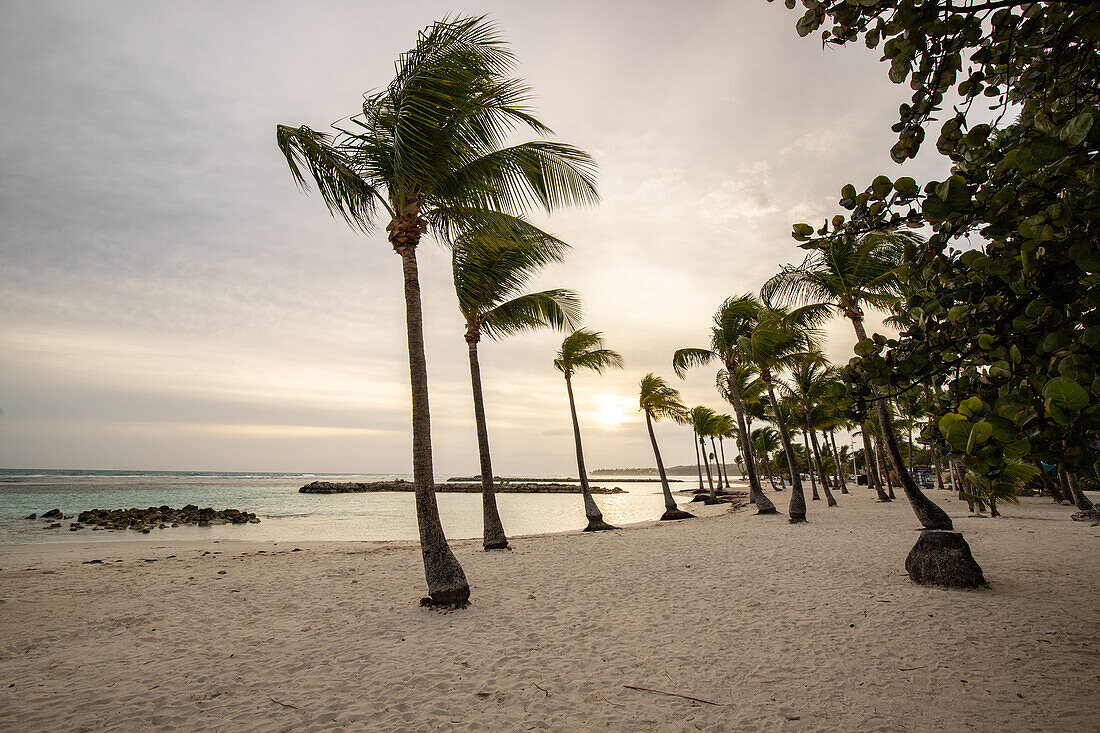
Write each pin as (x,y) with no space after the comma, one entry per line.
(285,514)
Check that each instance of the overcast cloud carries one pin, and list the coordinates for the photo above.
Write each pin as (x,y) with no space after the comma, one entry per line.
(170,300)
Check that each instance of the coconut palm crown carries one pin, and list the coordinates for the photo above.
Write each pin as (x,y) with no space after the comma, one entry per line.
(584,349)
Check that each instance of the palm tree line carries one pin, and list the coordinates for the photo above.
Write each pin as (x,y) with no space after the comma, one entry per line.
(428,156)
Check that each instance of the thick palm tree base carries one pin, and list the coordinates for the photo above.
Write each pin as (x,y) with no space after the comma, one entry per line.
(452,598)
(832,502)
(596,524)
(883,501)
(502,545)
(672,514)
(767,510)
(797,518)
(943,558)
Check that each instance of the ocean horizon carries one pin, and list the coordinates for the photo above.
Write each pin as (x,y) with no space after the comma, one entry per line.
(285,514)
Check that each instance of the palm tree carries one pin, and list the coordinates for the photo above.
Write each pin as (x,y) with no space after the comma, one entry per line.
(781,339)
(427,153)
(489,271)
(870,460)
(701,418)
(658,400)
(733,321)
(848,274)
(584,349)
(765,442)
(808,386)
(725,429)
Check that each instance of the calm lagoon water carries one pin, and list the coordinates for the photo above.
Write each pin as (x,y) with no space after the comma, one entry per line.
(285,514)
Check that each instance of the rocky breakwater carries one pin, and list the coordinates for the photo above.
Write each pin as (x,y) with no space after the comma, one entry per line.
(353,487)
(162,517)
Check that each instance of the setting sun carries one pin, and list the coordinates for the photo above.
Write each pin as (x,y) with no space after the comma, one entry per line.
(612,410)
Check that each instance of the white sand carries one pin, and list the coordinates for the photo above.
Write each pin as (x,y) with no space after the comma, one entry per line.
(769,620)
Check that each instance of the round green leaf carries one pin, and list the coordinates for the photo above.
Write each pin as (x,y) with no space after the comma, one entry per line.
(1066,394)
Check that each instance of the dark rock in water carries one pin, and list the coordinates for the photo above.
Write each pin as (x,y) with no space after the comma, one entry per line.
(32,515)
(356,487)
(74,526)
(161,517)
(55,525)
(943,558)
(52,514)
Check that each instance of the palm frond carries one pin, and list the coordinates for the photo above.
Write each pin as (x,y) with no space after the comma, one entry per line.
(684,359)
(583,349)
(660,400)
(558,309)
(341,188)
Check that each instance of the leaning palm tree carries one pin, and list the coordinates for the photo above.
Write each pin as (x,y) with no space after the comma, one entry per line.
(734,320)
(724,429)
(849,274)
(489,271)
(765,443)
(428,154)
(701,418)
(658,400)
(584,349)
(781,339)
(808,386)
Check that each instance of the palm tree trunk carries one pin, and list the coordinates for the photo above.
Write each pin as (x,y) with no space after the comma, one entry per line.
(869,462)
(932,446)
(1051,486)
(671,510)
(591,511)
(879,467)
(447,585)
(936,466)
(813,481)
(710,478)
(698,461)
(717,465)
(725,466)
(839,465)
(829,498)
(1083,502)
(764,505)
(796,511)
(909,448)
(928,513)
(494,537)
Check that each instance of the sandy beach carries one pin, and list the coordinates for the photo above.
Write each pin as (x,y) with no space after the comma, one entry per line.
(774,626)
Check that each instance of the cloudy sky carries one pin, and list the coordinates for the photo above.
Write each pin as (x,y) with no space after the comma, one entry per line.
(170,300)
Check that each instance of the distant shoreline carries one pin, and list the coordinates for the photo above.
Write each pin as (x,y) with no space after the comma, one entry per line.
(354,487)
(512,480)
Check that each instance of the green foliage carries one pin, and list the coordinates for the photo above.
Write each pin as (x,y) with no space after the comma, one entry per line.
(491,266)
(429,148)
(658,400)
(1014,324)
(584,349)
